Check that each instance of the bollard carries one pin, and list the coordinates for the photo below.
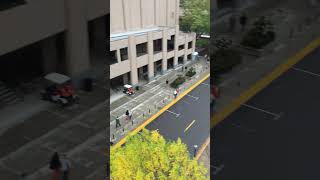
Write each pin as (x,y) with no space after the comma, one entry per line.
(149,111)
(132,122)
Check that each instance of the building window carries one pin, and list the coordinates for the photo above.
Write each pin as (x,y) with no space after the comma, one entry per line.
(113,59)
(7,4)
(171,44)
(157,46)
(124,54)
(190,45)
(142,49)
(181,47)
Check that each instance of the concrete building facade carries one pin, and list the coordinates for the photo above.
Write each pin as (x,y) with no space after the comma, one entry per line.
(145,40)
(60,32)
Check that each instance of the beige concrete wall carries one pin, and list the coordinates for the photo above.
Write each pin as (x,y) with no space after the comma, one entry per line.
(39,19)
(130,15)
(147,13)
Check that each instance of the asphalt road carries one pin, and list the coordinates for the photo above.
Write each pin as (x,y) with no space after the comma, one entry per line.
(276,134)
(188,119)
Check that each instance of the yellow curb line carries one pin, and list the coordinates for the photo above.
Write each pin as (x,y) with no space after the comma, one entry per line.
(202,148)
(258,86)
(123,140)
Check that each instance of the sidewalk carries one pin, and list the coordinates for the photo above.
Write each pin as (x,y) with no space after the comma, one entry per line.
(285,18)
(155,96)
(78,130)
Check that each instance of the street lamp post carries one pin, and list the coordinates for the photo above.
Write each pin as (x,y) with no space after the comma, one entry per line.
(195,150)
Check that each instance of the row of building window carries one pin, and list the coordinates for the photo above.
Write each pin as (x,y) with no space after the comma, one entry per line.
(142,49)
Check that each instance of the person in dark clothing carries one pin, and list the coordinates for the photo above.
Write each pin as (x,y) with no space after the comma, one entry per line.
(243,21)
(55,165)
(118,122)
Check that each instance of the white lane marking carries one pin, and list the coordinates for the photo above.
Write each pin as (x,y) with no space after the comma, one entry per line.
(217,169)
(226,82)
(185,101)
(276,116)
(196,98)
(305,71)
(243,128)
(177,115)
(205,84)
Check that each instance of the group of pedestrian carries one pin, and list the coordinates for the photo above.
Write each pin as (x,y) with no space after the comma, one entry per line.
(60,167)
(242,21)
(128,117)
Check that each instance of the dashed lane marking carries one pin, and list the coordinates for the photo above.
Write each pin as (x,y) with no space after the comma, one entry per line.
(196,98)
(305,71)
(276,116)
(206,84)
(217,169)
(176,114)
(188,127)
(185,101)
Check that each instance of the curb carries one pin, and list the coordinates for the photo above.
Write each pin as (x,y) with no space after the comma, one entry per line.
(202,148)
(264,82)
(137,129)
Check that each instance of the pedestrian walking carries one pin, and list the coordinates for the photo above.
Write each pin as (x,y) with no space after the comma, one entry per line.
(243,21)
(291,33)
(130,115)
(175,93)
(178,90)
(55,166)
(167,81)
(127,115)
(65,167)
(23,176)
(232,23)
(118,122)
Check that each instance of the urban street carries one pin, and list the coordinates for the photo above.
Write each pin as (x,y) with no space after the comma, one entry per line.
(187,119)
(274,134)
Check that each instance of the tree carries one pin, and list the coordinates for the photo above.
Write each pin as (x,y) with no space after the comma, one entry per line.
(147,156)
(196,16)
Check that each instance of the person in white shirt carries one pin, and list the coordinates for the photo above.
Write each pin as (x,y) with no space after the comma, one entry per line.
(65,167)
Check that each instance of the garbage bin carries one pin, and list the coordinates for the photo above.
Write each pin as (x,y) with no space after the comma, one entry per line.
(88,84)
(194,56)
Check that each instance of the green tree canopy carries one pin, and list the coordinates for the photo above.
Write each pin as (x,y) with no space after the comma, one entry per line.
(196,16)
(147,156)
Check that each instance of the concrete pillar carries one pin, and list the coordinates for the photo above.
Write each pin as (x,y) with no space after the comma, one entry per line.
(77,47)
(185,57)
(132,51)
(177,11)
(140,72)
(118,55)
(49,54)
(175,61)
(213,9)
(194,42)
(150,56)
(164,50)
